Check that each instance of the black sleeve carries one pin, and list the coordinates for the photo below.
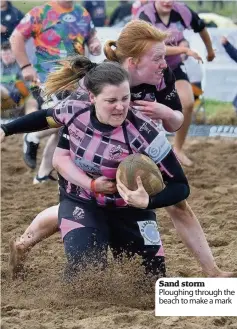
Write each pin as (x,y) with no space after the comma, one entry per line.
(36,121)
(197,24)
(144,17)
(177,188)
(63,142)
(169,96)
(231,51)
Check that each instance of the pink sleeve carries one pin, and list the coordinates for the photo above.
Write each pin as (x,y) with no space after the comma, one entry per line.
(64,111)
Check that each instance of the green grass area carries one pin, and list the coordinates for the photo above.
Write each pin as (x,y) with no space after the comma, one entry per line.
(218,113)
(25,6)
(229,10)
(213,106)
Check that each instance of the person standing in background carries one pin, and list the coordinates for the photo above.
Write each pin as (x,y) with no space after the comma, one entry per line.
(232,52)
(191,66)
(59,29)
(175,17)
(122,14)
(220,3)
(10,17)
(97,10)
(200,3)
(14,92)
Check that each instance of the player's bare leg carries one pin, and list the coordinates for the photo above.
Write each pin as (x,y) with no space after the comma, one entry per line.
(43,226)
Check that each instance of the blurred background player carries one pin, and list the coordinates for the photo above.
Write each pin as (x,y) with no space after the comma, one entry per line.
(122,14)
(232,52)
(194,71)
(176,17)
(10,17)
(59,29)
(97,10)
(14,91)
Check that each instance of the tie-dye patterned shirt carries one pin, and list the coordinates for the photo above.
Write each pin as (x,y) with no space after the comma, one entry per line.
(181,18)
(57,33)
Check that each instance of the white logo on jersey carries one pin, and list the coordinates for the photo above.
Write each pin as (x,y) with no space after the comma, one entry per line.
(8,17)
(68,18)
(78,213)
(138,95)
(149,232)
(159,148)
(172,94)
(87,166)
(145,128)
(115,152)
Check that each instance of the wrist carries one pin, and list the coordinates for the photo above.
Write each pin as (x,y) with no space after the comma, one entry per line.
(185,50)
(93,187)
(166,113)
(174,122)
(209,49)
(25,66)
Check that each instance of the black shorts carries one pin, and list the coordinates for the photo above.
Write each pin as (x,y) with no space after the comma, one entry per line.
(88,230)
(179,73)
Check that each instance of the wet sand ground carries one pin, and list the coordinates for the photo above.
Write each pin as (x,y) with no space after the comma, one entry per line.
(43,301)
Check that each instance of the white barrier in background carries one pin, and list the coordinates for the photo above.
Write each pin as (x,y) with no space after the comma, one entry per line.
(220,75)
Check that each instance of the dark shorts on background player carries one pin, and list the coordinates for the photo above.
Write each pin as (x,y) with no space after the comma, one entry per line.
(180,74)
(88,230)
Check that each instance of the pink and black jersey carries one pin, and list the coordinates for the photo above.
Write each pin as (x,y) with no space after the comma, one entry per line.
(97,149)
(181,18)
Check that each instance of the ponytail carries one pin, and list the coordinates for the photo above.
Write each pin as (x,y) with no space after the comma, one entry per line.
(110,53)
(134,41)
(68,75)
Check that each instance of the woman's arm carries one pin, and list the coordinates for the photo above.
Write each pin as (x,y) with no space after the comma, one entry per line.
(177,188)
(229,48)
(179,50)
(64,165)
(36,121)
(60,115)
(207,41)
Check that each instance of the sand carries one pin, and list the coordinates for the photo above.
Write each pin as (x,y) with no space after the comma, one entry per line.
(43,301)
